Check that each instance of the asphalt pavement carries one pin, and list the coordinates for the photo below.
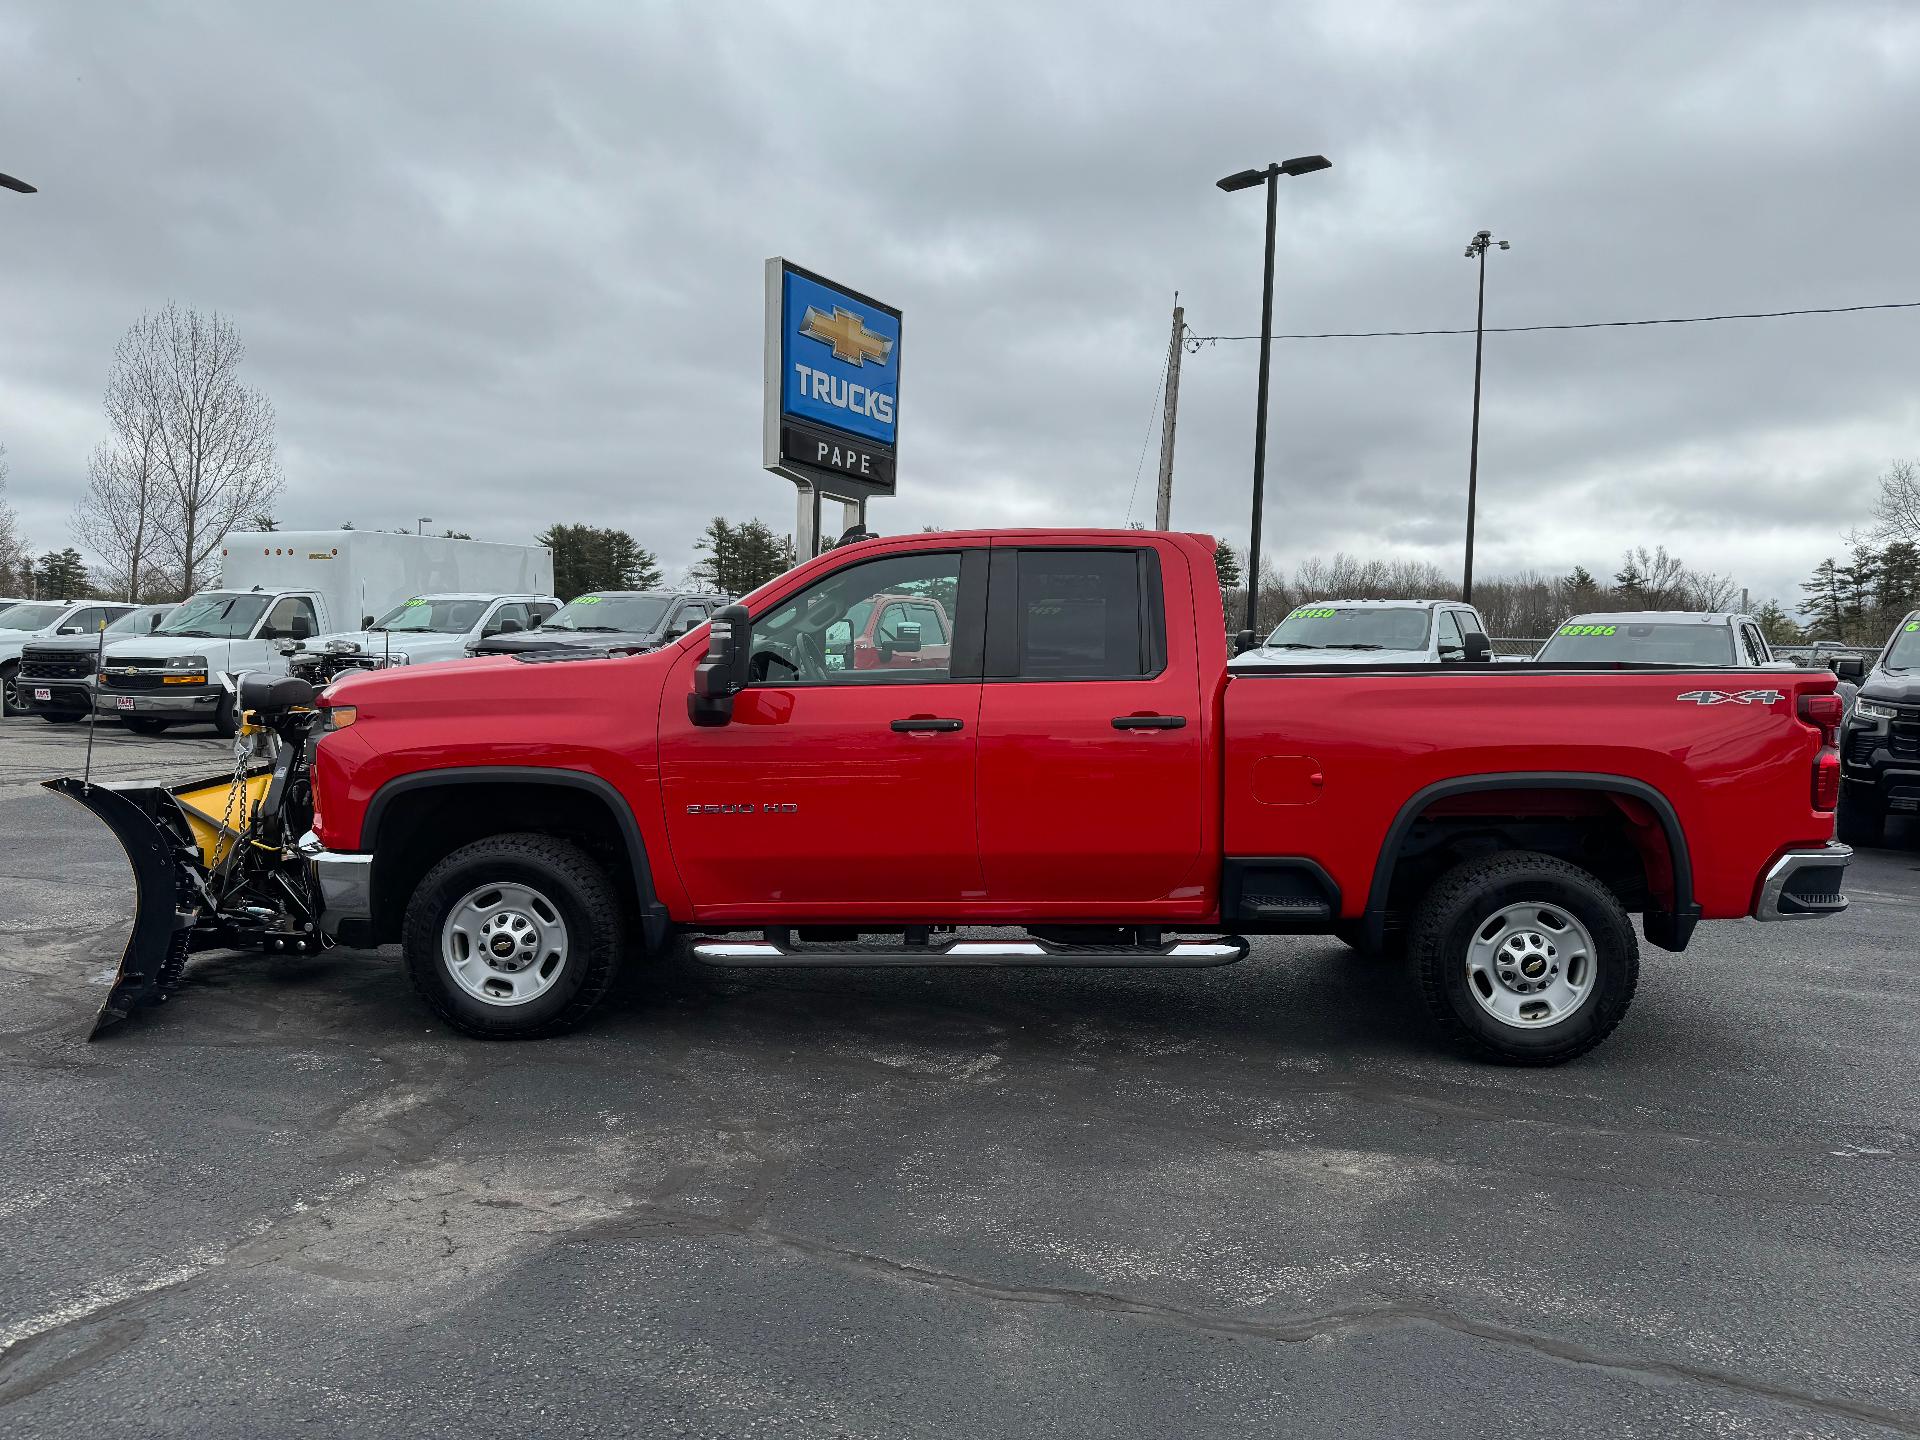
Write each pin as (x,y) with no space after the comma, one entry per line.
(1252,1201)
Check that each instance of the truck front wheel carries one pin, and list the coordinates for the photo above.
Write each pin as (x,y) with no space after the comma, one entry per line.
(1523,958)
(514,937)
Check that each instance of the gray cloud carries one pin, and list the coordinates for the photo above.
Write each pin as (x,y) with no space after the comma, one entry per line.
(502,265)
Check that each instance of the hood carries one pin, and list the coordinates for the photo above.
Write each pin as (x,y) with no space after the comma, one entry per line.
(375,642)
(1896,687)
(65,643)
(525,640)
(1322,658)
(484,684)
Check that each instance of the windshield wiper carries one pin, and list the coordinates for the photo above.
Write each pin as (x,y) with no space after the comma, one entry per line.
(191,634)
(1291,645)
(598,629)
(1358,645)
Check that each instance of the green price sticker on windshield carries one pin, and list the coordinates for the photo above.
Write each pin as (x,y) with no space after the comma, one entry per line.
(1313,614)
(1913,625)
(588,600)
(1586,629)
(415,601)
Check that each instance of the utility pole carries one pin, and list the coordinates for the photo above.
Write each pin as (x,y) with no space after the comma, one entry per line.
(1163,506)
(1476,249)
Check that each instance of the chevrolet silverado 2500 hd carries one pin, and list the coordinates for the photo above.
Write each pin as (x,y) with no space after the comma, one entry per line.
(1079,764)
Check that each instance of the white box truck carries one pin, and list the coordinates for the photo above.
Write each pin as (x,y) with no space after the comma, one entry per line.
(279,588)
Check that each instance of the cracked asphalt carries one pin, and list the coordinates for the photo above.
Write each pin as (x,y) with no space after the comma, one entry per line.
(1253,1201)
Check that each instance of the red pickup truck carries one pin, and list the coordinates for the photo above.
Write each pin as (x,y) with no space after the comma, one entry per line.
(1077,766)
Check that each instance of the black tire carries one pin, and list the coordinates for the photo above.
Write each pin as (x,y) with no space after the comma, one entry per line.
(226,718)
(1465,900)
(54,719)
(567,878)
(9,693)
(1860,821)
(144,724)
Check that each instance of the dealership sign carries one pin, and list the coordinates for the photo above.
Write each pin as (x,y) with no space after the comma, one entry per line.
(833,384)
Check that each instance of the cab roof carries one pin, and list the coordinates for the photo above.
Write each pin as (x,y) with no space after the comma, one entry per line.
(1657,617)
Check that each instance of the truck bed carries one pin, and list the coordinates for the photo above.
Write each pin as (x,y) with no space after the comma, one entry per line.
(1334,765)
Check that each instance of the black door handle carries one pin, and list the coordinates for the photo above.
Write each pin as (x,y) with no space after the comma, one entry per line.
(1149,722)
(928,722)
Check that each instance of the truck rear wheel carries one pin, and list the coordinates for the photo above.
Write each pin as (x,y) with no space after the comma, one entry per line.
(514,937)
(1523,958)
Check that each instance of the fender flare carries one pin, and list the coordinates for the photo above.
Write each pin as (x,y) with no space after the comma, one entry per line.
(654,922)
(1668,930)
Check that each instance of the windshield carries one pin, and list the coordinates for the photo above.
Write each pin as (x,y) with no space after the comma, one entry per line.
(442,617)
(134,622)
(608,612)
(1334,627)
(216,616)
(1904,652)
(30,616)
(1649,644)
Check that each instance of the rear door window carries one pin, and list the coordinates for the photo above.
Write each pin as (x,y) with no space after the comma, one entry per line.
(1077,615)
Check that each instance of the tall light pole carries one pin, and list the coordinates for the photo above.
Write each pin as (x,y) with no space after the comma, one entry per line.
(1476,250)
(421,522)
(1246,180)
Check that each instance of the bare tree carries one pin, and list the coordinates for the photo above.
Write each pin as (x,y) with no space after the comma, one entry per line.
(16,558)
(212,435)
(128,504)
(1897,511)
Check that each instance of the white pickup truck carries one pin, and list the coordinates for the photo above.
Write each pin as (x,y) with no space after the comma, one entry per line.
(420,630)
(1663,637)
(27,620)
(280,589)
(1372,632)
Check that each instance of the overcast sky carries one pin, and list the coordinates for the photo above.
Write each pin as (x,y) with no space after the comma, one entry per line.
(501,264)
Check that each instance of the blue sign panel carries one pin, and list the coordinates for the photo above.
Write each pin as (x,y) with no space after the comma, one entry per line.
(840,359)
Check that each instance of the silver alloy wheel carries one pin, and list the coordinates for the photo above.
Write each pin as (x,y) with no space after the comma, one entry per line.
(504,943)
(1531,965)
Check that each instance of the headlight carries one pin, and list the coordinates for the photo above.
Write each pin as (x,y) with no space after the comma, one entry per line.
(1873,710)
(188,662)
(342,647)
(339,717)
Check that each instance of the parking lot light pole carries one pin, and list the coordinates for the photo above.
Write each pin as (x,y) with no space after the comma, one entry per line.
(1246,180)
(1476,249)
(421,522)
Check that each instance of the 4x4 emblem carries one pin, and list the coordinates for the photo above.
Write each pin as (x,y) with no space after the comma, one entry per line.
(1733,697)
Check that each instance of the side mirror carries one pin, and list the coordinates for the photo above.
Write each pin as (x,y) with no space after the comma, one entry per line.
(903,641)
(683,624)
(1479,648)
(727,668)
(366,622)
(1850,667)
(1243,642)
(68,630)
(300,629)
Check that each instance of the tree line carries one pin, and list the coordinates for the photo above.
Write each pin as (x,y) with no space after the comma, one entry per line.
(1860,599)
(1525,604)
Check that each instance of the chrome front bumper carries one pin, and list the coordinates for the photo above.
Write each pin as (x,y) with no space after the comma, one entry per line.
(346,886)
(1803,884)
(160,702)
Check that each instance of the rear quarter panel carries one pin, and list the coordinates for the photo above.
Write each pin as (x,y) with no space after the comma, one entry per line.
(1739,776)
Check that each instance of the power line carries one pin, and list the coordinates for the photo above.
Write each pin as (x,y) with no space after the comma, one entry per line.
(1142,462)
(1194,342)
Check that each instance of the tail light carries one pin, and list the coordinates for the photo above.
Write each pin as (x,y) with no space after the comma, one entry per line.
(1823,713)
(1826,779)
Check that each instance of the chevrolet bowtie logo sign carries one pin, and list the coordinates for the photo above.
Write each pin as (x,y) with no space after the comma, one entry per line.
(847,334)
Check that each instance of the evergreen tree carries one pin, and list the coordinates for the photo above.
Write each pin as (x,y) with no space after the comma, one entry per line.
(743,557)
(61,575)
(1226,564)
(1825,605)
(1858,579)
(588,558)
(1777,625)
(1631,583)
(1896,588)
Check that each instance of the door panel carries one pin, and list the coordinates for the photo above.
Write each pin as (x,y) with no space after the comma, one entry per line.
(836,784)
(1074,808)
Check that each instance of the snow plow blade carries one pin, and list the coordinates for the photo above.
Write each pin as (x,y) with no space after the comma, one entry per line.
(166,893)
